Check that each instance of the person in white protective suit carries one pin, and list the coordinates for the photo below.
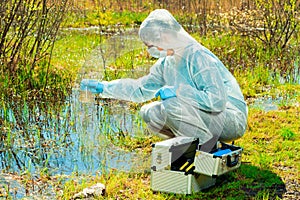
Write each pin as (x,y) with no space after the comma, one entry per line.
(199,97)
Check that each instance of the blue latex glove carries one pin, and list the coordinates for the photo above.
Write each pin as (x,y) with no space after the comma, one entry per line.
(93,86)
(166,92)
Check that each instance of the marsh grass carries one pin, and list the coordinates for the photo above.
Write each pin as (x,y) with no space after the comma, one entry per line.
(270,162)
(72,49)
(30,135)
(271,143)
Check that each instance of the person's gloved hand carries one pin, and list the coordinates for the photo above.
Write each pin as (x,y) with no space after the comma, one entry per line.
(166,92)
(94,86)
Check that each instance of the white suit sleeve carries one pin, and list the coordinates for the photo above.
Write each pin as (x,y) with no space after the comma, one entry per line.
(136,90)
(208,92)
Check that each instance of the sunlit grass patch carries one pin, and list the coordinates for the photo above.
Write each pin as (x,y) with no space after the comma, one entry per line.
(72,49)
(272,141)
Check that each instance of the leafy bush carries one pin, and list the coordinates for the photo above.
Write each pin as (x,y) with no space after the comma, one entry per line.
(27,35)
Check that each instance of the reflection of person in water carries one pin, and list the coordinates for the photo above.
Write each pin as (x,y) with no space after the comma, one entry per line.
(199,97)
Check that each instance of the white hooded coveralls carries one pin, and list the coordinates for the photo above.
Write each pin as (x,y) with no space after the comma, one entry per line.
(209,104)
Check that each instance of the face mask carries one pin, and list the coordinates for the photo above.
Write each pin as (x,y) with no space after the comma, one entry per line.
(154,52)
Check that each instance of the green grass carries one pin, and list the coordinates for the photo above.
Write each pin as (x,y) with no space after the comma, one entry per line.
(72,49)
(96,17)
(270,159)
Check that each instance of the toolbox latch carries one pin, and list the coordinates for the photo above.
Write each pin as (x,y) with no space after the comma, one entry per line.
(232,163)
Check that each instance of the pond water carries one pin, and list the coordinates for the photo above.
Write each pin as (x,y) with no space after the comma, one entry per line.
(66,138)
(77,137)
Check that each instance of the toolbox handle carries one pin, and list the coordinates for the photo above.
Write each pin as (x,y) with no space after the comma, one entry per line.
(230,163)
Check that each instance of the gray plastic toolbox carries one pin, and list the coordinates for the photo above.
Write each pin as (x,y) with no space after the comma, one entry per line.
(179,166)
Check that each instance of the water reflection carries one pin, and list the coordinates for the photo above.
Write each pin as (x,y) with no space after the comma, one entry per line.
(67,137)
